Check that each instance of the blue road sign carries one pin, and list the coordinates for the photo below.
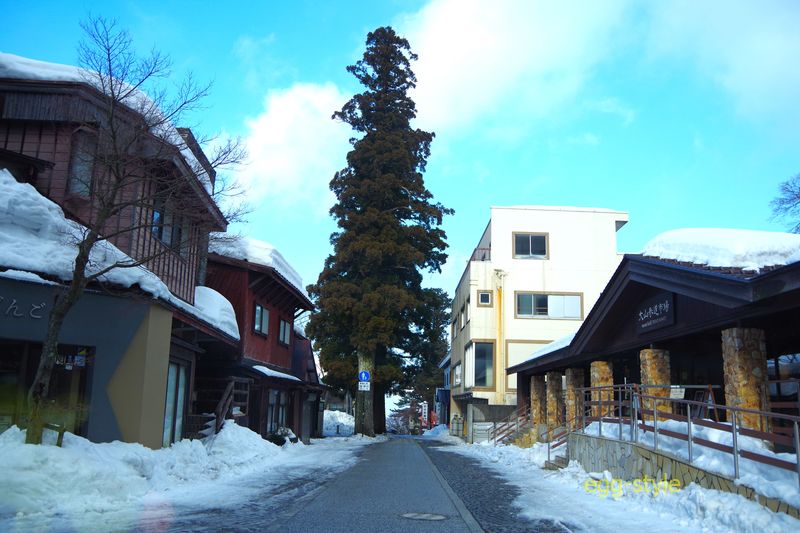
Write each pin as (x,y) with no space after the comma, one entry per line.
(363,376)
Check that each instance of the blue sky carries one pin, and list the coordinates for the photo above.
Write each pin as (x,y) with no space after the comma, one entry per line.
(682,113)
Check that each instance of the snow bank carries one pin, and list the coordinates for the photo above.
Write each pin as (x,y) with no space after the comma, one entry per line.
(258,252)
(561,496)
(338,424)
(440,433)
(36,237)
(102,487)
(766,480)
(715,247)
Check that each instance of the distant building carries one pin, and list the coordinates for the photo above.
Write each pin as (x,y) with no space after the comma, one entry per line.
(534,275)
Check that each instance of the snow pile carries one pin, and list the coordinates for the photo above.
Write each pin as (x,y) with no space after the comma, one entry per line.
(338,424)
(767,480)
(18,67)
(258,252)
(715,247)
(103,487)
(442,434)
(37,238)
(274,373)
(217,308)
(562,496)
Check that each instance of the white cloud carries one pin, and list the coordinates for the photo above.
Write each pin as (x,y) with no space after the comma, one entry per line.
(750,49)
(505,60)
(613,106)
(295,148)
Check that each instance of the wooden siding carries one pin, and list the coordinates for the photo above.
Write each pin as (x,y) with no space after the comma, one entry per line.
(51,142)
(234,284)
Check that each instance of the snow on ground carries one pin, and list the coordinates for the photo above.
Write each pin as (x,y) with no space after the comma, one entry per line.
(338,424)
(89,486)
(766,480)
(441,433)
(258,252)
(716,247)
(36,237)
(562,496)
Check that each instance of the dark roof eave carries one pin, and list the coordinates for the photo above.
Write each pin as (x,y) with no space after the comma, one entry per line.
(255,267)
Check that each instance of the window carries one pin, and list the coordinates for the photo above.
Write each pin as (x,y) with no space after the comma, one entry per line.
(285,332)
(484,364)
(176,399)
(81,163)
(530,246)
(261,322)
(462,322)
(457,374)
(169,228)
(467,308)
(548,305)
(276,410)
(484,298)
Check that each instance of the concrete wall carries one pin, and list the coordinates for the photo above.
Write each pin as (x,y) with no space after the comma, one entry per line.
(138,388)
(629,461)
(582,255)
(109,325)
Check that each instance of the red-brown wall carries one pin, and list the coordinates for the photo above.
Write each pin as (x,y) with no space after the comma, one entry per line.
(233,283)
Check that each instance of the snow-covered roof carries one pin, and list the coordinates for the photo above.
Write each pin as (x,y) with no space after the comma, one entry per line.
(259,253)
(716,247)
(23,68)
(557,344)
(36,237)
(561,208)
(274,373)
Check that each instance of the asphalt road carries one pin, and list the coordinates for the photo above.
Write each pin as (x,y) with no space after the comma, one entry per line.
(400,485)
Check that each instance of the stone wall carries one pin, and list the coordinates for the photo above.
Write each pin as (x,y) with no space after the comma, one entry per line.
(538,400)
(655,370)
(744,364)
(629,461)
(555,401)
(601,374)
(574,404)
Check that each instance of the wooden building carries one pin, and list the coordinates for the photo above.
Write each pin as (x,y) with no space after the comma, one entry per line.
(283,389)
(137,386)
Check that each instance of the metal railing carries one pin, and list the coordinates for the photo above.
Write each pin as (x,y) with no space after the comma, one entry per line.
(630,405)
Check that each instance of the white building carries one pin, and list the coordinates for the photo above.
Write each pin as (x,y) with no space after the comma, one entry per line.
(534,276)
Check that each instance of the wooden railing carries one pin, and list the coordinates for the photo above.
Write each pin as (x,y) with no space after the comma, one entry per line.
(517,421)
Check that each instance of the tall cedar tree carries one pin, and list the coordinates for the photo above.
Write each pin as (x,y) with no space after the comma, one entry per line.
(427,348)
(388,232)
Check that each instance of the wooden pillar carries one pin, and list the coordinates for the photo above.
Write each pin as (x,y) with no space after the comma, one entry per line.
(601,374)
(574,398)
(744,361)
(555,401)
(655,370)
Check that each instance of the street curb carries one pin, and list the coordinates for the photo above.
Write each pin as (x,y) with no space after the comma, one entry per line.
(466,516)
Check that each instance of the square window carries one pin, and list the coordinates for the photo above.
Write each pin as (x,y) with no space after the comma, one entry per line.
(530,246)
(485,298)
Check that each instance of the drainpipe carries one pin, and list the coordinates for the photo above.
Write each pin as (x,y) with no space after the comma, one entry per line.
(501,344)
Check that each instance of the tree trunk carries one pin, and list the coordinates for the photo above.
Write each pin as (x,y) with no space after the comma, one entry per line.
(365,422)
(379,415)
(63,302)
